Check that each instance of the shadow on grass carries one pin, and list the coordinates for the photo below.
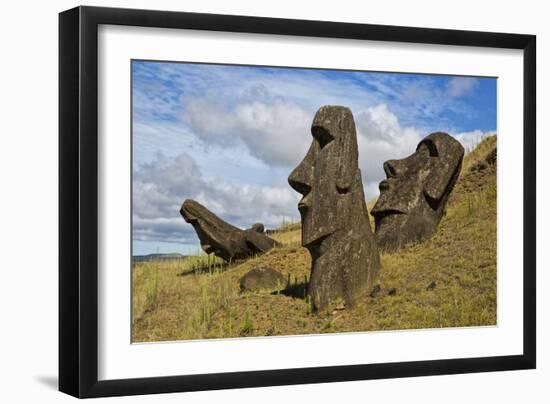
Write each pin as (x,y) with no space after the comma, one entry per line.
(296,290)
(206,269)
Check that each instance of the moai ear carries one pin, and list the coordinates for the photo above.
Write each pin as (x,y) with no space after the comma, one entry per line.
(438,181)
(447,154)
(347,153)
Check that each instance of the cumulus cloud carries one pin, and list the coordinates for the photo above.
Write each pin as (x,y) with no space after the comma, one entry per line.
(274,131)
(278,133)
(381,137)
(461,86)
(161,186)
(470,140)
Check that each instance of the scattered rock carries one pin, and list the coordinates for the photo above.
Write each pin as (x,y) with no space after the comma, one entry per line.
(261,278)
(488,160)
(224,240)
(432,285)
(335,223)
(413,197)
(375,291)
(478,166)
(491,156)
(392,291)
(340,306)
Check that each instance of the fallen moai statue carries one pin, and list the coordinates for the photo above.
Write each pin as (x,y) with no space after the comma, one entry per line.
(223,239)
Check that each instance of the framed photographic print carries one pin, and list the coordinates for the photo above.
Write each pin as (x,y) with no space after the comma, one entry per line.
(250,201)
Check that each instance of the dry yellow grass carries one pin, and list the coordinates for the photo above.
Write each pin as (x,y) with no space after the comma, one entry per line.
(199,297)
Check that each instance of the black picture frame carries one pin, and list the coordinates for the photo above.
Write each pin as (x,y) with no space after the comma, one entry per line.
(78,201)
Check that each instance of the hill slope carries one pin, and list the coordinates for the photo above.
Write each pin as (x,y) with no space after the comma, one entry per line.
(447,281)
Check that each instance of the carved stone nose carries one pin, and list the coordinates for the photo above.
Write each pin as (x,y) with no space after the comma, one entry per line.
(187,210)
(298,180)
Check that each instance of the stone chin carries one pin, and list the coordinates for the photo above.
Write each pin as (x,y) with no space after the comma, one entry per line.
(396,228)
(388,224)
(311,237)
(388,217)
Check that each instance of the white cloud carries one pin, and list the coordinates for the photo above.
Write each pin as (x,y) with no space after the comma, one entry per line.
(279,133)
(461,86)
(273,129)
(161,186)
(381,138)
(471,139)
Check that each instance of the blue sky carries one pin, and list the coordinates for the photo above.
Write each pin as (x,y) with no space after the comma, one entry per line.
(228,136)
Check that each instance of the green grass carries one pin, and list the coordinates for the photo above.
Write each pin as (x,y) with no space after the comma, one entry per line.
(199,297)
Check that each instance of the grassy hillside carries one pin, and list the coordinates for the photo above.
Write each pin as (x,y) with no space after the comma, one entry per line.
(447,281)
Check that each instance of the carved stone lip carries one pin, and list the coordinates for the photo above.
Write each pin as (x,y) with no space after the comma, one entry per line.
(384,185)
(383,212)
(302,206)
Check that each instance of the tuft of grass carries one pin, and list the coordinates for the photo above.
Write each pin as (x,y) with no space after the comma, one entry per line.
(247,326)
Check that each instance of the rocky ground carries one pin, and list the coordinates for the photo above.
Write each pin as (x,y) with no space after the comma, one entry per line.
(447,281)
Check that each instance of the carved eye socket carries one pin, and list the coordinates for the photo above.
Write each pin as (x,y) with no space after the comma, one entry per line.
(428,144)
(322,136)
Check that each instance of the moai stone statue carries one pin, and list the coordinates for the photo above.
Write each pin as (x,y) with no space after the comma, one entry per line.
(224,240)
(413,197)
(335,223)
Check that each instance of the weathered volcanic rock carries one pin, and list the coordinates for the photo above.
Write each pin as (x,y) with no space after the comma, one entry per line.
(413,197)
(261,278)
(487,161)
(258,227)
(432,285)
(219,237)
(335,223)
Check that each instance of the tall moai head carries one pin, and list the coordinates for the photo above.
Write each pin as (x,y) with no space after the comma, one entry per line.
(335,225)
(326,174)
